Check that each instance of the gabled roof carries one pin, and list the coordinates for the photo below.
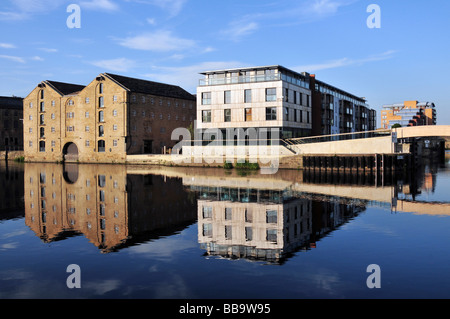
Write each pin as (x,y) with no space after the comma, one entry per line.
(150,87)
(65,88)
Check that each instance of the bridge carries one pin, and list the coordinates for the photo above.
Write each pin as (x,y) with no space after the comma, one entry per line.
(362,143)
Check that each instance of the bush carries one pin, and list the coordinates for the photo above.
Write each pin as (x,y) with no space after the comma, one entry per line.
(228,166)
(19,159)
(247,165)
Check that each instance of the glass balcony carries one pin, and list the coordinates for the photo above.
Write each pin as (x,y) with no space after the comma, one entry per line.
(240,79)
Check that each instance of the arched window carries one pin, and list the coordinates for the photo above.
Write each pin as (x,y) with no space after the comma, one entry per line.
(101,146)
(41,146)
(41,94)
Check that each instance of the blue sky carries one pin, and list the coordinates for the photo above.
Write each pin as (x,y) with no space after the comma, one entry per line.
(172,41)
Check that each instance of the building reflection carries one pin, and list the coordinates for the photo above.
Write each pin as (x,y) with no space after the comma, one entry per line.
(264,224)
(251,216)
(11,190)
(111,208)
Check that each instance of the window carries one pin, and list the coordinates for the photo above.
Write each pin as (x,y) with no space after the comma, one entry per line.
(248,114)
(227,97)
(31,130)
(87,100)
(53,129)
(228,232)
(86,115)
(42,107)
(271,94)
(41,146)
(87,143)
(41,119)
(248,233)
(271,113)
(101,131)
(100,88)
(115,98)
(286,95)
(101,146)
(101,102)
(53,116)
(41,132)
(101,117)
(206,116)
(207,230)
(207,212)
(271,235)
(41,94)
(271,216)
(115,127)
(86,128)
(206,98)
(286,113)
(228,213)
(247,96)
(31,105)
(53,143)
(114,142)
(114,112)
(227,115)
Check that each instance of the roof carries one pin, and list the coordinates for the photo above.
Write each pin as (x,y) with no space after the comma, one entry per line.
(65,88)
(150,87)
(11,102)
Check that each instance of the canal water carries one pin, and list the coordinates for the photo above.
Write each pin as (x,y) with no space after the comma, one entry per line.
(132,232)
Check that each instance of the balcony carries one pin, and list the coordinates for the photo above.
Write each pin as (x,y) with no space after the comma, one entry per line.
(240,79)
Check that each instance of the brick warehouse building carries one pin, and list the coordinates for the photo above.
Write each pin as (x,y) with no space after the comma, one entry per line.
(110,118)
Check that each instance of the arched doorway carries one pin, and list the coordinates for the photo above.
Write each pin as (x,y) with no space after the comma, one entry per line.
(70,152)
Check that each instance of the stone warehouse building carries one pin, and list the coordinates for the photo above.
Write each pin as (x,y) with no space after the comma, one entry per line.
(110,118)
(11,115)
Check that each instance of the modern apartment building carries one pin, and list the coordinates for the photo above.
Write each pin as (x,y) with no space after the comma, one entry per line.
(409,113)
(274,97)
(336,111)
(104,121)
(270,97)
(11,126)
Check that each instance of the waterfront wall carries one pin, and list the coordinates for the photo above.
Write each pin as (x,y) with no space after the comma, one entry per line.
(10,155)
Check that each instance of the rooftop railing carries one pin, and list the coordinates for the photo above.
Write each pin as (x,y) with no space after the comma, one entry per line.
(240,79)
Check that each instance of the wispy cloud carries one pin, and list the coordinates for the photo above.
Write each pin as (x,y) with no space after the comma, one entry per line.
(158,41)
(7,46)
(13,58)
(239,29)
(24,9)
(118,65)
(343,62)
(188,76)
(102,5)
(174,7)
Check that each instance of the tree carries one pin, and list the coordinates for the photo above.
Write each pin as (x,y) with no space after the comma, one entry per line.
(396,125)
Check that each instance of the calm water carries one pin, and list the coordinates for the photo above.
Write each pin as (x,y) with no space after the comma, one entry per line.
(138,232)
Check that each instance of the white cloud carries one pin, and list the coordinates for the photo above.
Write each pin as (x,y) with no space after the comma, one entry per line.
(188,76)
(102,5)
(174,7)
(151,21)
(238,29)
(118,65)
(49,50)
(7,46)
(159,41)
(343,62)
(37,58)
(13,58)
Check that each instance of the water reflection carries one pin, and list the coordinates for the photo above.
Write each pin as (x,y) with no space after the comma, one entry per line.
(251,216)
(111,208)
